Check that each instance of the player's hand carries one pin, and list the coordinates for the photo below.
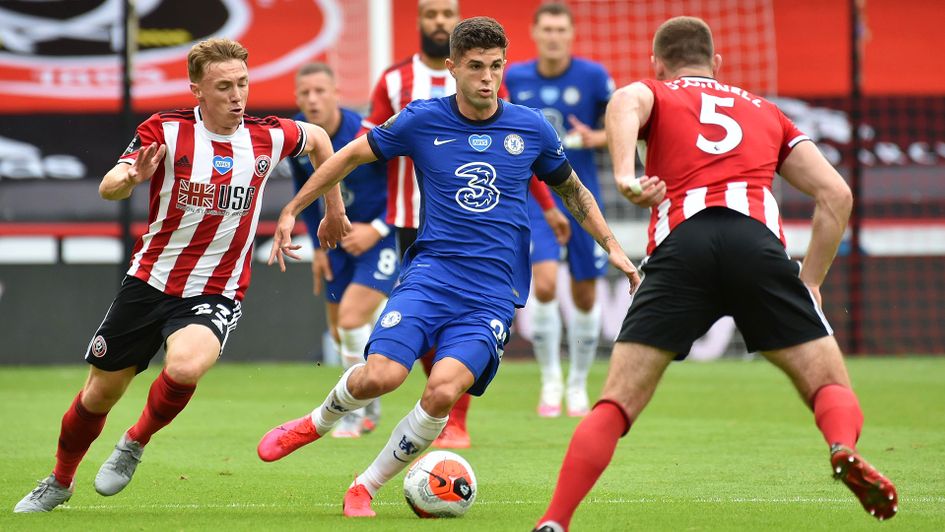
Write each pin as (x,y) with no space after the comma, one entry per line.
(333,227)
(361,238)
(282,241)
(623,263)
(321,269)
(652,190)
(559,225)
(590,138)
(146,163)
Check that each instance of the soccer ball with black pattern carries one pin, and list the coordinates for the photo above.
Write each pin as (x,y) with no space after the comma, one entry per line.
(440,484)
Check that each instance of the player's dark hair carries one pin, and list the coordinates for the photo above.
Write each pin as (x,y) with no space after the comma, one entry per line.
(475,33)
(684,41)
(212,51)
(315,67)
(554,9)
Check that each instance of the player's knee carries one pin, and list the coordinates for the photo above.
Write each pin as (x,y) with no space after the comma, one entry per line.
(187,371)
(439,398)
(372,381)
(100,397)
(584,300)
(544,289)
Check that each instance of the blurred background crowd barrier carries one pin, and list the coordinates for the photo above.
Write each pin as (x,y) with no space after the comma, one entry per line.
(862,78)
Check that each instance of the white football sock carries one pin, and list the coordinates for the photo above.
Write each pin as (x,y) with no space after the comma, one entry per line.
(353,342)
(338,403)
(546,339)
(583,337)
(415,432)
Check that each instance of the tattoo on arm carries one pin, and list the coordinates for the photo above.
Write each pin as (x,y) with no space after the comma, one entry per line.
(603,242)
(576,197)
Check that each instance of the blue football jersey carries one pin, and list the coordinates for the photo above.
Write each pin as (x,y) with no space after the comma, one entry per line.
(583,90)
(364,190)
(473,176)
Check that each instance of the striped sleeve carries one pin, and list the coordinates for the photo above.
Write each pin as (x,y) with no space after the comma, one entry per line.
(295,138)
(148,132)
(791,136)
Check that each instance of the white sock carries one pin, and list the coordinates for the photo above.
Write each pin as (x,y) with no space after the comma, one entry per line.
(415,432)
(353,342)
(338,403)
(546,339)
(583,337)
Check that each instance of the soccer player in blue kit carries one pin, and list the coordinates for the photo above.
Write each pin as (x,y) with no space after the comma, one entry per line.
(359,274)
(573,94)
(469,267)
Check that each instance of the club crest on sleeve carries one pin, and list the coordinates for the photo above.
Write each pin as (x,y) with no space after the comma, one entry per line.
(263,164)
(222,164)
(99,346)
(480,142)
(390,319)
(514,144)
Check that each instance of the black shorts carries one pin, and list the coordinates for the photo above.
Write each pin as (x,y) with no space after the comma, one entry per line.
(722,263)
(141,318)
(406,236)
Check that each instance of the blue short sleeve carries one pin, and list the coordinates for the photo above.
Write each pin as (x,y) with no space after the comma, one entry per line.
(551,166)
(394,137)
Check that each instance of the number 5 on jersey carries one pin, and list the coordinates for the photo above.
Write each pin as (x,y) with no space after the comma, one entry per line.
(708,115)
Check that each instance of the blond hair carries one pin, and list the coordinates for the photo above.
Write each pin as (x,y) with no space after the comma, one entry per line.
(212,51)
(684,41)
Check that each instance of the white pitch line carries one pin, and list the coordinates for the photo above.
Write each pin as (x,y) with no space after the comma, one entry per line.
(645,500)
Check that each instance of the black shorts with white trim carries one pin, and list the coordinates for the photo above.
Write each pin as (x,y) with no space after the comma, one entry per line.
(141,318)
(722,263)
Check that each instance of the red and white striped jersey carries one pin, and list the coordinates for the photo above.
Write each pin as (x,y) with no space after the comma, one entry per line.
(205,200)
(399,85)
(714,145)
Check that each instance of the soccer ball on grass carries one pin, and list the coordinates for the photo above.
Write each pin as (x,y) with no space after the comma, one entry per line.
(440,484)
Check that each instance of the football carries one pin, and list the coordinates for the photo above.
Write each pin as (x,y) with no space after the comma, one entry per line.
(440,484)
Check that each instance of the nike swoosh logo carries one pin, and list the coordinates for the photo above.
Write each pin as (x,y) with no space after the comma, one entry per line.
(442,480)
(524,95)
(381,277)
(438,142)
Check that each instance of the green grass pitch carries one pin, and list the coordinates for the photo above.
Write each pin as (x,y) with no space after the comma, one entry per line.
(723,446)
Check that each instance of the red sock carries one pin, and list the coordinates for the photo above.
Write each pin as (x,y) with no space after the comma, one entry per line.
(79,429)
(589,453)
(427,361)
(838,414)
(165,400)
(458,413)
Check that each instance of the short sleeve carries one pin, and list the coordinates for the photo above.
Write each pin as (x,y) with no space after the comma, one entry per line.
(393,137)
(295,138)
(790,137)
(605,89)
(551,166)
(148,132)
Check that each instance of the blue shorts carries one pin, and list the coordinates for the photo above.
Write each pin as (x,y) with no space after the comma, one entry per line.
(586,259)
(376,268)
(422,314)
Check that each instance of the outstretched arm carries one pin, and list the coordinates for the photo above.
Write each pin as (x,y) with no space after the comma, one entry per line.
(582,205)
(326,176)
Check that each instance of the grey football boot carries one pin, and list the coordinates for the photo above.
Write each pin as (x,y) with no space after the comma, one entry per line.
(116,472)
(46,496)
